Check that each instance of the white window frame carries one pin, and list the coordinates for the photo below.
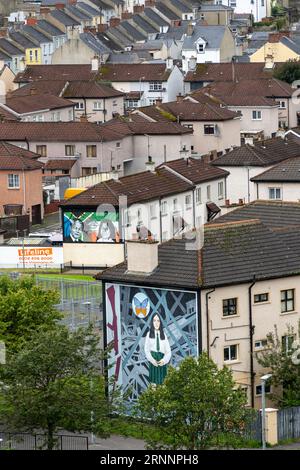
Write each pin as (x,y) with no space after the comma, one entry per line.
(282,104)
(230,354)
(198,196)
(255,114)
(188,201)
(275,191)
(14,179)
(208,192)
(221,190)
(97,105)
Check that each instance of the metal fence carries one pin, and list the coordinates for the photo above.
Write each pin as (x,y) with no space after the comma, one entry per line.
(288,422)
(27,441)
(72,289)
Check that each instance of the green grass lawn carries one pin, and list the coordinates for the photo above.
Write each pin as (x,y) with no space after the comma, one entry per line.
(71,277)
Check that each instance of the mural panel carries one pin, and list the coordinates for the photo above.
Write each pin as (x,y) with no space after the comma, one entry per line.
(82,226)
(148,330)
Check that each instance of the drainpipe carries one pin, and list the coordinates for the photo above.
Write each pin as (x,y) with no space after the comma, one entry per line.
(207,321)
(251,331)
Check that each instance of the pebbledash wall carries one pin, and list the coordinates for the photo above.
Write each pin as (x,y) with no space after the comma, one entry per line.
(30,257)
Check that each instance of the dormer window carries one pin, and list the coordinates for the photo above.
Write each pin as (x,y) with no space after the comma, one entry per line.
(201,47)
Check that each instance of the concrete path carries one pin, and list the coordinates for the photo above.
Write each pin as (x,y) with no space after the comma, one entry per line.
(117,443)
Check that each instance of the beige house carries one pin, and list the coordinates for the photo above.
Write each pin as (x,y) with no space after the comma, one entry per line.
(279,48)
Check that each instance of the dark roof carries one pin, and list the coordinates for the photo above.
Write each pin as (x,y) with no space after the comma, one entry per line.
(133,72)
(40,87)
(260,240)
(10,48)
(138,188)
(167,12)
(65,164)
(89,89)
(287,171)
(188,111)
(49,28)
(156,18)
(131,31)
(41,38)
(264,153)
(60,72)
(22,40)
(195,170)
(63,18)
(6,116)
(16,158)
(226,71)
(33,103)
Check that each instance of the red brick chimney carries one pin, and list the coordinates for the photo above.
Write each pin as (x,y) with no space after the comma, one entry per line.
(126,15)
(90,29)
(72,2)
(44,11)
(275,37)
(138,8)
(31,21)
(60,6)
(114,21)
(3,32)
(102,27)
(149,3)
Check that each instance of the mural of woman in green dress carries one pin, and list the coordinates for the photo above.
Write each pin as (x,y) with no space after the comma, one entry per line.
(157,351)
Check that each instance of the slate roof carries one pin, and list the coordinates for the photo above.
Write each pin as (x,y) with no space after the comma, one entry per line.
(213,35)
(154,17)
(131,31)
(237,247)
(287,171)
(94,43)
(167,12)
(264,153)
(144,24)
(63,18)
(36,34)
(49,28)
(22,40)
(9,48)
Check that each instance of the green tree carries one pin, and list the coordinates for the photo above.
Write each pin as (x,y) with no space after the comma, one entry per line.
(281,358)
(55,383)
(24,307)
(196,407)
(288,72)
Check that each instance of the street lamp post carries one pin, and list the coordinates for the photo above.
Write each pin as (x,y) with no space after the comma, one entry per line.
(264,379)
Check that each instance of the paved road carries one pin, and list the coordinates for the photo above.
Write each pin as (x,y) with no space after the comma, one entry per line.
(117,443)
(51,223)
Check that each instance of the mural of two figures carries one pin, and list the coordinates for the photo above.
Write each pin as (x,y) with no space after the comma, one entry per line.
(148,330)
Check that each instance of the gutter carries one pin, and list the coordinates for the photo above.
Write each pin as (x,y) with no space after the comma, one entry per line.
(251,332)
(207,321)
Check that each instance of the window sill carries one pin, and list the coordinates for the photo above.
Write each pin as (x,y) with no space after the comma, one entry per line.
(288,313)
(225,317)
(256,304)
(235,361)
(10,189)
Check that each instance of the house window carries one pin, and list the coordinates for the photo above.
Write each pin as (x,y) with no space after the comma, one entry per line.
(127,219)
(287,343)
(69,150)
(198,195)
(233,3)
(258,298)
(274,193)
(282,104)
(115,103)
(208,192)
(188,201)
(13,181)
(152,101)
(258,389)
(41,150)
(88,171)
(31,55)
(175,205)
(256,115)
(231,353)
(164,207)
(209,129)
(55,116)
(91,151)
(153,211)
(221,190)
(155,86)
(287,300)
(229,307)
(118,145)
(261,344)
(132,103)
(79,106)
(97,105)
(201,48)
(70,114)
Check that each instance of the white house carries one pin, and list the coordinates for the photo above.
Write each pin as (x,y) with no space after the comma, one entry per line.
(204,44)
(258,8)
